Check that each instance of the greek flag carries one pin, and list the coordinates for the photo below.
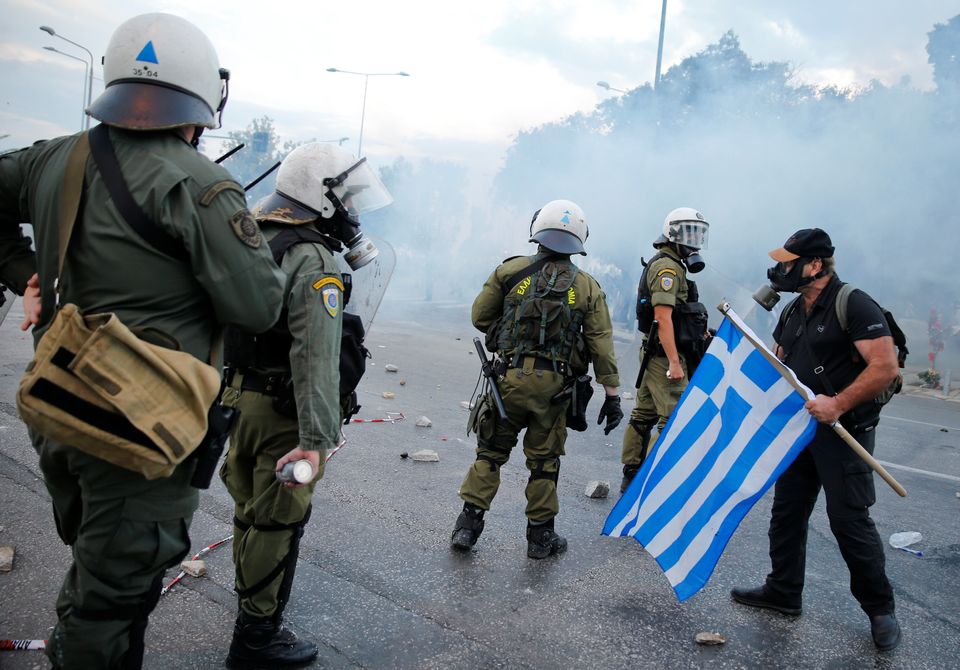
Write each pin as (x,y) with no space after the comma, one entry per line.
(737,427)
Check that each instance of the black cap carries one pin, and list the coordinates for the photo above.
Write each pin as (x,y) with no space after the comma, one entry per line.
(806,243)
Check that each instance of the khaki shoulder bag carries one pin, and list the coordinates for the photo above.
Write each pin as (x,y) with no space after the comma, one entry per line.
(94,385)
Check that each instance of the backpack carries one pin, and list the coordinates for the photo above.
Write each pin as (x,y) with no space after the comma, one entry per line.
(538,319)
(899,340)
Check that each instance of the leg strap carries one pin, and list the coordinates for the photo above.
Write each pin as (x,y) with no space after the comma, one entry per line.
(540,473)
(287,563)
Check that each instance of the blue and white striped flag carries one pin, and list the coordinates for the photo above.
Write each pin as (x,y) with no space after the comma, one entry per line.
(737,427)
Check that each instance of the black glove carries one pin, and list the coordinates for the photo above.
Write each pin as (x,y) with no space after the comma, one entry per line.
(610,410)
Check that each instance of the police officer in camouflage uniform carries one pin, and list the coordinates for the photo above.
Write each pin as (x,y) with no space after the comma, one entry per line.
(543,343)
(286,383)
(163,85)
(663,287)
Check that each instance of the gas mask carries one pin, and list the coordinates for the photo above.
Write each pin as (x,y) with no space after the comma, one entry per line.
(783,280)
(691,258)
(345,228)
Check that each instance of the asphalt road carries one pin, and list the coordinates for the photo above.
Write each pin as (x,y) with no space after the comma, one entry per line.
(377,585)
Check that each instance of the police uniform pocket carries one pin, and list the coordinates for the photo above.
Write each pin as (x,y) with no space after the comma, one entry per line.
(479,414)
(858,489)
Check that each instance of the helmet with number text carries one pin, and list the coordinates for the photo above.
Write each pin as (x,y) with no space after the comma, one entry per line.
(160,71)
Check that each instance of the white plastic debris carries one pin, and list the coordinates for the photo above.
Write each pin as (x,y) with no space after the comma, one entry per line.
(194,568)
(390,367)
(709,638)
(6,557)
(904,540)
(426,456)
(389,395)
(626,395)
(597,489)
(423,422)
(466,404)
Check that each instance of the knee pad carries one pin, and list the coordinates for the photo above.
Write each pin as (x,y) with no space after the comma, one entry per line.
(540,472)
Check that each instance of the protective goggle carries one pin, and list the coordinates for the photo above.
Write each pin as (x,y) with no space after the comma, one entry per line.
(690,233)
(358,189)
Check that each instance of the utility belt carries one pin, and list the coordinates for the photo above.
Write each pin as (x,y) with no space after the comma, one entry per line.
(561,367)
(278,386)
(245,380)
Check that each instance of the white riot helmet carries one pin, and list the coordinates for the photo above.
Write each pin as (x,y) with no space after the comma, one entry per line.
(560,226)
(319,181)
(686,226)
(160,71)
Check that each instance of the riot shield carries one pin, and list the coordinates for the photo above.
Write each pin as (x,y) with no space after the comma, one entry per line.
(370,282)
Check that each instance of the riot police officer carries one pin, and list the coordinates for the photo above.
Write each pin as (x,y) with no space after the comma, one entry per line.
(286,383)
(191,265)
(547,321)
(662,296)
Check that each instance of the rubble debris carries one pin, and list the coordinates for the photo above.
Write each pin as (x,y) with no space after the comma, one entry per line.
(6,557)
(194,568)
(404,454)
(390,367)
(709,638)
(944,430)
(597,489)
(403,382)
(389,395)
(466,404)
(426,456)
(423,422)
(626,395)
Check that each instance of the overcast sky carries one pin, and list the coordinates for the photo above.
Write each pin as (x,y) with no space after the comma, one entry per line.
(480,71)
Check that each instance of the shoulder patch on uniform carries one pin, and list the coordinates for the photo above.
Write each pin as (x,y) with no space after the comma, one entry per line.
(216,189)
(246,229)
(325,281)
(670,270)
(331,299)
(666,282)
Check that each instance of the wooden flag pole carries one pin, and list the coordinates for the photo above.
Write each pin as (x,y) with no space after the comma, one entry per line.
(788,374)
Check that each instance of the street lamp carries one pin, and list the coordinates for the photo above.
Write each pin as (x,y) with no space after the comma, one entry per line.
(603,84)
(53,33)
(83,107)
(663,23)
(366,77)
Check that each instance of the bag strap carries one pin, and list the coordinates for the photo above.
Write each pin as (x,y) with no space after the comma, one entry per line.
(529,270)
(843,297)
(71,193)
(106,159)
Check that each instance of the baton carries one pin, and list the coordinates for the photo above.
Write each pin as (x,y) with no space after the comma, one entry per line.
(230,153)
(486,367)
(648,348)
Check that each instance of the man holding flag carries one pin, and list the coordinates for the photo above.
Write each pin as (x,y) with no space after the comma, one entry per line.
(747,421)
(858,361)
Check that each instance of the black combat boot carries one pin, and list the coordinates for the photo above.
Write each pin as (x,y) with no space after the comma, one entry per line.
(629,472)
(542,541)
(468,528)
(264,642)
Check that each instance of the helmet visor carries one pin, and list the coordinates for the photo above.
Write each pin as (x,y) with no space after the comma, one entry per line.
(359,189)
(690,233)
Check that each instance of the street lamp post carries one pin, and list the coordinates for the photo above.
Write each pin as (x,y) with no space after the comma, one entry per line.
(603,84)
(363,112)
(86,67)
(53,33)
(663,23)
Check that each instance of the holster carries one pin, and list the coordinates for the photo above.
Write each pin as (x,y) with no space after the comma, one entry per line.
(220,421)
(578,390)
(96,386)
